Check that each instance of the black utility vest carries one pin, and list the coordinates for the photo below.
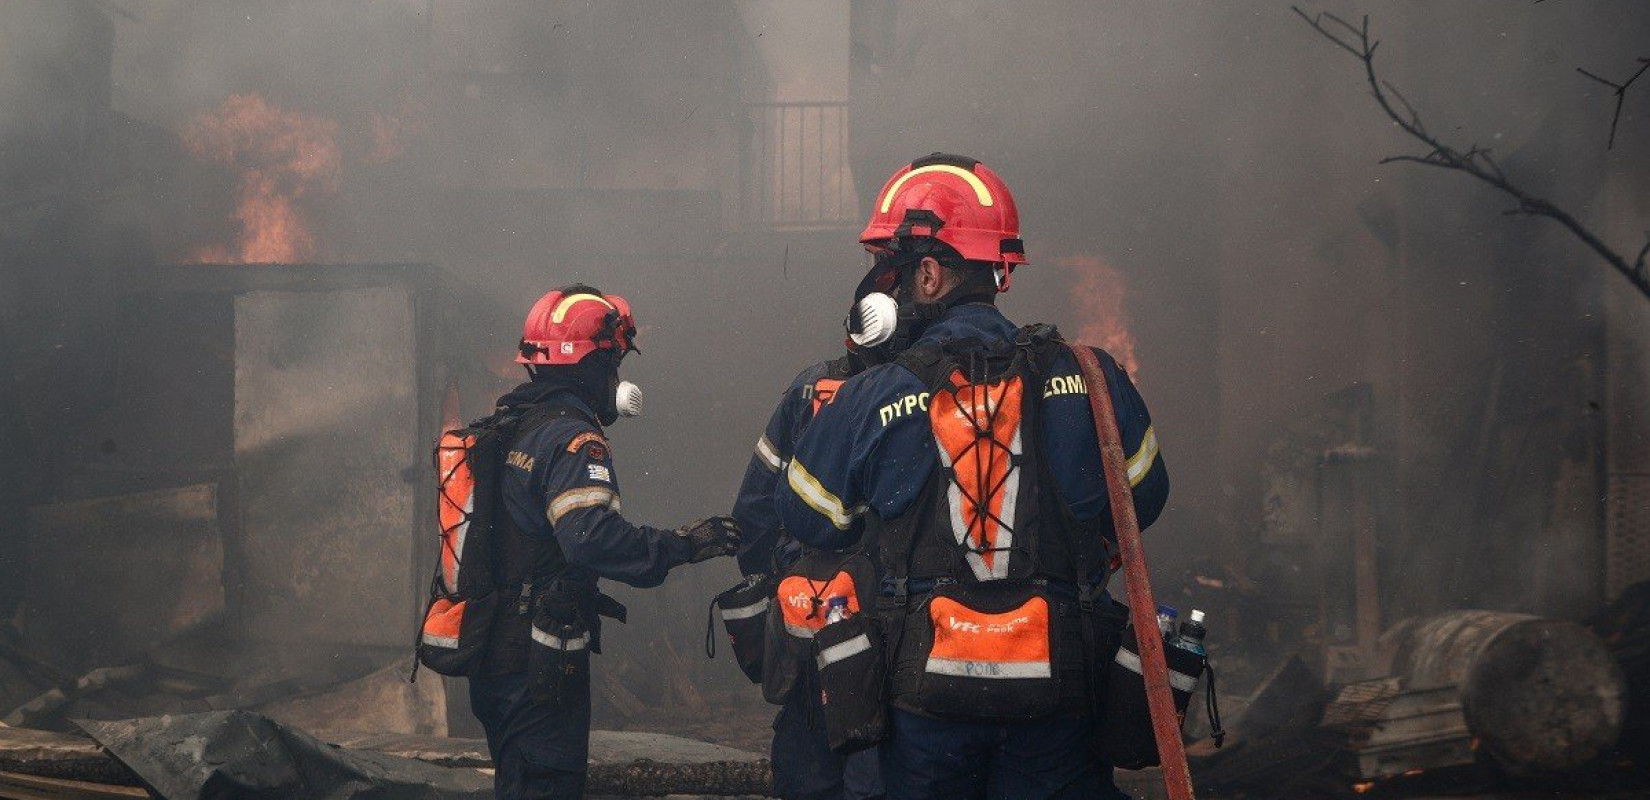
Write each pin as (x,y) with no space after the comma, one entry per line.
(921,545)
(522,565)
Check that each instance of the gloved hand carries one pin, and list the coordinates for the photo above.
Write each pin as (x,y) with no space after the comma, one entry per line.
(710,537)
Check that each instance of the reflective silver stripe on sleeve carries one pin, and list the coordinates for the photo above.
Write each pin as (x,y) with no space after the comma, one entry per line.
(1143,459)
(765,451)
(585,497)
(558,643)
(1131,662)
(746,612)
(814,494)
(841,650)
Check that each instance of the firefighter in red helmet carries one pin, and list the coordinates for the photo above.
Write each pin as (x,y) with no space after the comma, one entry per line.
(968,471)
(562,532)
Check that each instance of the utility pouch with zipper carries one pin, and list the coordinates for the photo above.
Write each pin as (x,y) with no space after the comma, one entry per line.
(558,662)
(983,652)
(566,629)
(853,683)
(801,596)
(744,610)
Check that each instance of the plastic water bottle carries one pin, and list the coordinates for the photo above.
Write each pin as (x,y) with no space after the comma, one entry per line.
(1191,635)
(836,610)
(1166,616)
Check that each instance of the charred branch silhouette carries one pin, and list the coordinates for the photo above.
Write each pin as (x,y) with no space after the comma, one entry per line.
(1474,161)
(1621,95)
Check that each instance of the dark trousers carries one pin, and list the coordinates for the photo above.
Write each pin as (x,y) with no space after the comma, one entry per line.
(540,751)
(930,759)
(804,768)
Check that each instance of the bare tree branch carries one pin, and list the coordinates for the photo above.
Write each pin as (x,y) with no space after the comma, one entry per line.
(1474,161)
(1621,96)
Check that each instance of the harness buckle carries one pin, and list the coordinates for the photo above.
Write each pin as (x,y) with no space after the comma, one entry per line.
(902,590)
(1085,597)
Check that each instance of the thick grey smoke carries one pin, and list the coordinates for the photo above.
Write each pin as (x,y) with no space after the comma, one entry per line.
(1215,163)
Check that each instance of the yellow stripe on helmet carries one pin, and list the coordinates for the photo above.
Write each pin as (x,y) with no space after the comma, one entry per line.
(980,191)
(567,302)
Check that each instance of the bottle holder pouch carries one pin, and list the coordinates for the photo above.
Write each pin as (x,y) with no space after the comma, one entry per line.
(1123,733)
(558,661)
(853,685)
(802,599)
(455,631)
(744,610)
(982,652)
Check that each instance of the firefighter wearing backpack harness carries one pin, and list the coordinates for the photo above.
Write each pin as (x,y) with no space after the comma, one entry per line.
(520,614)
(969,471)
(804,767)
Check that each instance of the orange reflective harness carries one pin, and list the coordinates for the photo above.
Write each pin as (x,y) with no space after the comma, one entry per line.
(985,562)
(482,589)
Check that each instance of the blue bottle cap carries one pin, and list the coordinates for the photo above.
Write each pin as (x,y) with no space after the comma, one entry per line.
(1167,611)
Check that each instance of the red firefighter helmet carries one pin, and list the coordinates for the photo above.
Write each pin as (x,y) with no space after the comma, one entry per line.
(956,200)
(570,323)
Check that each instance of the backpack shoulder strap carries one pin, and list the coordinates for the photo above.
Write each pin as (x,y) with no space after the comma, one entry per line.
(1043,344)
(537,415)
(928,362)
(838,369)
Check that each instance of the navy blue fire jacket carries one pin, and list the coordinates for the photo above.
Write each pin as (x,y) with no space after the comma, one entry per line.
(754,507)
(873,449)
(560,482)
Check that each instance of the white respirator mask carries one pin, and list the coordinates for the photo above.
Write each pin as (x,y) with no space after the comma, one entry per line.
(878,315)
(627,399)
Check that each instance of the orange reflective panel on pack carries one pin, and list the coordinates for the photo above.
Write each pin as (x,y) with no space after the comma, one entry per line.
(978,644)
(977,428)
(803,601)
(443,623)
(825,391)
(456,502)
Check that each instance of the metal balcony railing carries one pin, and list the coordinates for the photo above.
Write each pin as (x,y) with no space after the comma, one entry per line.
(796,166)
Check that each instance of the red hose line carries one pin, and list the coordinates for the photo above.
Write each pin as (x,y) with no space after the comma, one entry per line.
(1154,666)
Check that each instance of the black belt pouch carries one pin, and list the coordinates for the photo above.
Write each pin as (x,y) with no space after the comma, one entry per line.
(853,683)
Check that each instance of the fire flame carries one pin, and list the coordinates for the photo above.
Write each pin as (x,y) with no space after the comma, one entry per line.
(283,156)
(1103,320)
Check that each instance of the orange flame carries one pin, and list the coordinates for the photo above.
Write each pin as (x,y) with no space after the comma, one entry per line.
(1103,321)
(283,156)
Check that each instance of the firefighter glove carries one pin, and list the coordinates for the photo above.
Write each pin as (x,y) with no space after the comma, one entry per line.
(710,537)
